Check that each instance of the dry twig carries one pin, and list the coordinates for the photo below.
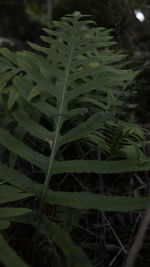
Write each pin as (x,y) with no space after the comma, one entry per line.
(137,244)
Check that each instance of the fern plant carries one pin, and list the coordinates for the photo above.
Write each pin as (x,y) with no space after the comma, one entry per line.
(70,90)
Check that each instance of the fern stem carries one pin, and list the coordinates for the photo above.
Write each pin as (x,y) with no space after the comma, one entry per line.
(54,146)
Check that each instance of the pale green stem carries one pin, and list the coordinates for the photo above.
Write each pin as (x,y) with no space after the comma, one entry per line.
(54,146)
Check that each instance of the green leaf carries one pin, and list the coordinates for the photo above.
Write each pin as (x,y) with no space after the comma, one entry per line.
(4,224)
(31,126)
(9,55)
(6,76)
(94,102)
(9,193)
(6,213)
(96,121)
(8,256)
(57,34)
(39,48)
(4,65)
(19,148)
(87,200)
(34,92)
(75,255)
(82,200)
(18,179)
(103,167)
(12,98)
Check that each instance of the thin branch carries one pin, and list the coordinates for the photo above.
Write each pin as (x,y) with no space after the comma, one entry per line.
(137,244)
(116,236)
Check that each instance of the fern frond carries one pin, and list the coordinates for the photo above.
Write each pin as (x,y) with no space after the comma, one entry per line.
(50,88)
(68,91)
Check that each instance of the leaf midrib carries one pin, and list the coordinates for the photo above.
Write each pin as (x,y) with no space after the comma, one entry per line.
(54,146)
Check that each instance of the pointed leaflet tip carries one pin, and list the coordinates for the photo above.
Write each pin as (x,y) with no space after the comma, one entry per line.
(77,14)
